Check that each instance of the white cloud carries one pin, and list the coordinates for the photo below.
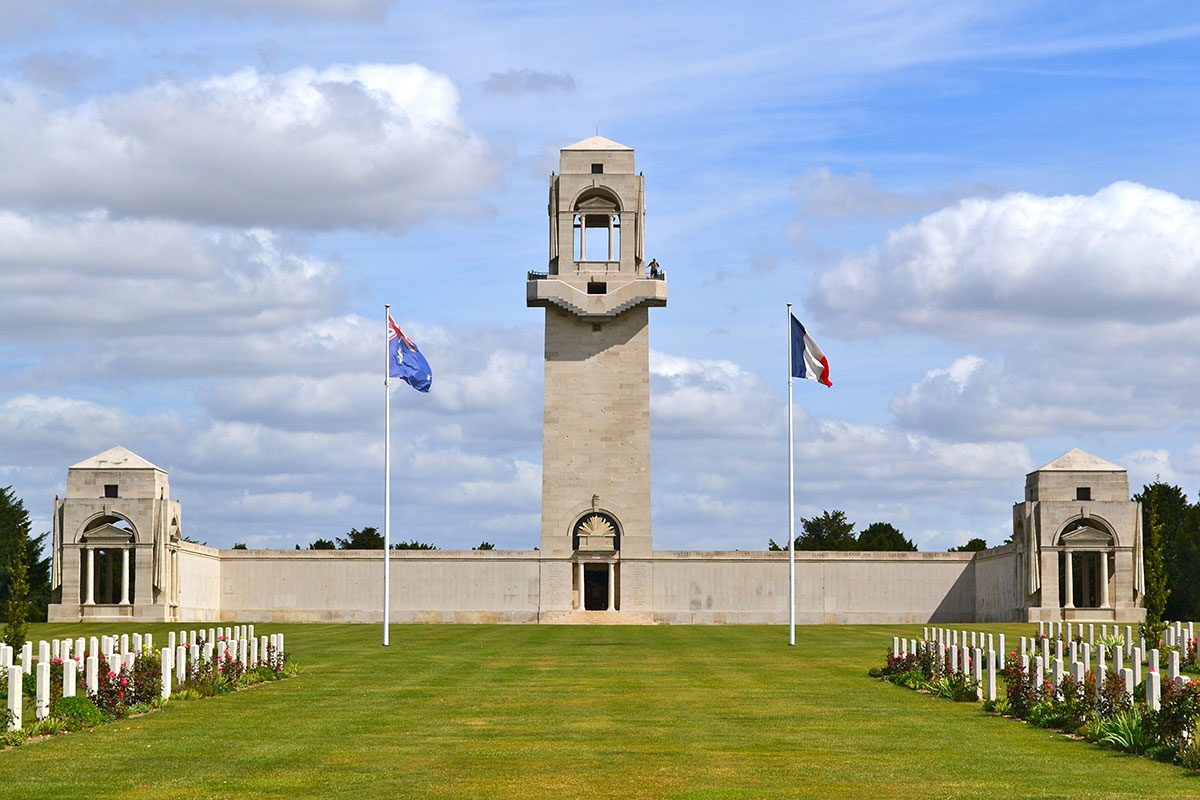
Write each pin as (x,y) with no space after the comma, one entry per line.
(1022,263)
(371,146)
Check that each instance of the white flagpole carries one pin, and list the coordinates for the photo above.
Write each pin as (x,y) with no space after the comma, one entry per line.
(791,498)
(387,477)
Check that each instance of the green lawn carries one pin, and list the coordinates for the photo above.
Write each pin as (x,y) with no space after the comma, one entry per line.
(562,712)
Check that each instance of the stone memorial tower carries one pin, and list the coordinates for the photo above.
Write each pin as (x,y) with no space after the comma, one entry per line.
(1081,540)
(116,537)
(597,291)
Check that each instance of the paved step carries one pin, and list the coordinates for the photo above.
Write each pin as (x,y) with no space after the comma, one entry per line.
(596,618)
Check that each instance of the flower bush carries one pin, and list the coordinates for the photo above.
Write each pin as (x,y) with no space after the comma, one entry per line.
(1100,711)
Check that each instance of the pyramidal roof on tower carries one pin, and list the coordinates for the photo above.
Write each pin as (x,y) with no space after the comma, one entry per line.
(1077,460)
(115,458)
(597,143)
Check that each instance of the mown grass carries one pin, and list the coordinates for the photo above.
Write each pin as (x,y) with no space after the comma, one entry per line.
(561,712)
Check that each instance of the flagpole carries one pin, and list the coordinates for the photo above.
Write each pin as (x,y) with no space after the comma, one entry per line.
(791,498)
(387,478)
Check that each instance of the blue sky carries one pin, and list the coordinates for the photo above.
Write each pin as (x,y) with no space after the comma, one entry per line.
(987,217)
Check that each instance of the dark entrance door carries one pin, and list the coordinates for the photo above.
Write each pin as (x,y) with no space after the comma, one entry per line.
(595,588)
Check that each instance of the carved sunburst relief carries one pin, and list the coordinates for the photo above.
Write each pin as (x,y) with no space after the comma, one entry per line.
(596,525)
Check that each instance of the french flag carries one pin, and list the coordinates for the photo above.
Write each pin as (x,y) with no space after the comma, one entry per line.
(807,359)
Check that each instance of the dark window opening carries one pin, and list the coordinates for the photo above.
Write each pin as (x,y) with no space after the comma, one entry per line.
(1083,493)
(110,490)
(597,287)
(597,169)
(595,327)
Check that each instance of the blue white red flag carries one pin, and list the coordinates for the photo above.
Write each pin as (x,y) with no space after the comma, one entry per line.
(807,359)
(405,360)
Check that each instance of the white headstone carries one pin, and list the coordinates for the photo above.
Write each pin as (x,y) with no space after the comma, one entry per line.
(15,678)
(43,651)
(93,646)
(1153,690)
(991,675)
(1118,659)
(124,643)
(249,631)
(1024,646)
(1070,631)
(1154,660)
(70,668)
(55,649)
(1091,633)
(262,653)
(166,673)
(171,641)
(114,663)
(1137,667)
(1057,674)
(953,658)
(977,671)
(148,641)
(93,673)
(42,708)
(1041,628)
(27,658)
(137,643)
(1001,652)
(180,664)
(1087,656)
(1173,664)
(1077,671)
(1127,676)
(1039,671)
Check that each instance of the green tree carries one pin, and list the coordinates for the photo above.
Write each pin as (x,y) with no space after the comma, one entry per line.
(16,609)
(413,545)
(365,539)
(884,536)
(972,546)
(1156,577)
(14,534)
(485,546)
(830,531)
(1180,545)
(240,546)
(322,544)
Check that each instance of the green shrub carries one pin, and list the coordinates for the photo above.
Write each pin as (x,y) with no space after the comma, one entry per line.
(12,738)
(1124,731)
(185,694)
(80,709)
(875,672)
(998,706)
(957,687)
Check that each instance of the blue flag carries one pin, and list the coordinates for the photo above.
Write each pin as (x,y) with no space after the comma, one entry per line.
(405,360)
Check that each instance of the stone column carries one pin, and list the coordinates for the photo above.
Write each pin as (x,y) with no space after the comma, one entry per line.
(124,576)
(89,587)
(612,585)
(1069,577)
(1103,578)
(581,601)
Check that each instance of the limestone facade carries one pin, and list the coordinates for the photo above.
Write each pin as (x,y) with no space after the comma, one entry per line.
(115,542)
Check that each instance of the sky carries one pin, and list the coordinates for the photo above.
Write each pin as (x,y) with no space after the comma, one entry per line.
(987,215)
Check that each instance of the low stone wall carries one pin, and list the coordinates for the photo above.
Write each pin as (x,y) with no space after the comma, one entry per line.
(998,578)
(347,585)
(199,583)
(831,587)
(684,587)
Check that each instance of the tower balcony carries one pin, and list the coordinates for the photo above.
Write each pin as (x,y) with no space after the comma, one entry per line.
(597,297)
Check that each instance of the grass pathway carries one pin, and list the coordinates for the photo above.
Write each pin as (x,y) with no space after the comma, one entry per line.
(561,712)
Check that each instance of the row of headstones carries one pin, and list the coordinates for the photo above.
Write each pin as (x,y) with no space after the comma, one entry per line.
(969,659)
(175,661)
(1176,634)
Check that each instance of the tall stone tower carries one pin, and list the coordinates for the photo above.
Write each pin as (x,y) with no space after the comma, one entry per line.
(596,432)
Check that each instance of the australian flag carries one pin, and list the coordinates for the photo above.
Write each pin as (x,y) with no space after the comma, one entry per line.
(405,360)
